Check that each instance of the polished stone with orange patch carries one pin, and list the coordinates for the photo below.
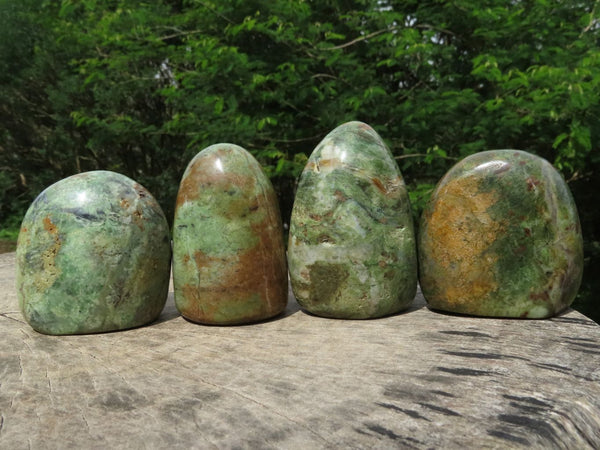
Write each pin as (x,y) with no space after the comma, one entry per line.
(229,262)
(501,237)
(93,255)
(352,250)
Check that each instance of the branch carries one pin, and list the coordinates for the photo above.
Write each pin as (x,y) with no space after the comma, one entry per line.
(411,155)
(332,77)
(102,53)
(292,141)
(324,75)
(360,39)
(592,20)
(421,155)
(181,33)
(385,30)
(215,12)
(579,176)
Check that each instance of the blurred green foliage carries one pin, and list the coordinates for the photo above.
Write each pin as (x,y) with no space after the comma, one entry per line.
(140,87)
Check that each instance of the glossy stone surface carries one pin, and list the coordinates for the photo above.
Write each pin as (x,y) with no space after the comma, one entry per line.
(93,255)
(229,262)
(352,251)
(501,237)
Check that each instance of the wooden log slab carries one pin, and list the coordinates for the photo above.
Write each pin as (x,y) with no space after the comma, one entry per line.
(419,379)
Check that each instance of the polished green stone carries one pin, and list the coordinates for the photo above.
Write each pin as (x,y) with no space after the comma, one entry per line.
(352,251)
(229,262)
(93,255)
(501,237)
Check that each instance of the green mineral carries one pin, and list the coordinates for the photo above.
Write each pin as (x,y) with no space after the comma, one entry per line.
(229,262)
(352,251)
(501,237)
(93,255)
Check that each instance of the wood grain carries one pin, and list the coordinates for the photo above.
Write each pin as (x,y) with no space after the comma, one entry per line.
(414,380)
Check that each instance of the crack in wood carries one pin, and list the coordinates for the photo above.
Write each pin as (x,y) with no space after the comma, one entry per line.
(6,316)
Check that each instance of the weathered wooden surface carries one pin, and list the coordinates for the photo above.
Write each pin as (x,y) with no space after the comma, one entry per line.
(415,380)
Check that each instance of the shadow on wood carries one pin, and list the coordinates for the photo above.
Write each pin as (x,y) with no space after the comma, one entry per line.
(414,380)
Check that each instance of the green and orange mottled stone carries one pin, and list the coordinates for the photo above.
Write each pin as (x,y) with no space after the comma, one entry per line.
(352,250)
(501,237)
(229,262)
(93,255)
